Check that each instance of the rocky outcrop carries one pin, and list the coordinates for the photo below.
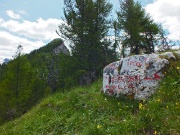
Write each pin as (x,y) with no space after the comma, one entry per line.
(137,76)
(168,55)
(61,49)
(177,53)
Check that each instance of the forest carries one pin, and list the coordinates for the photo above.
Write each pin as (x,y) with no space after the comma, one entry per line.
(28,78)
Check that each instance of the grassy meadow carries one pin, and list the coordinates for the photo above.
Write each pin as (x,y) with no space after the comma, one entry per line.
(87,111)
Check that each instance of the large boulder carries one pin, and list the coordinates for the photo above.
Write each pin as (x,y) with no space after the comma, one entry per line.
(137,76)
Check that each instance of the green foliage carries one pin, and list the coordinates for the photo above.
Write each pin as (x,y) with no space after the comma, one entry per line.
(85,111)
(137,30)
(67,72)
(15,88)
(86,27)
(48,48)
(26,79)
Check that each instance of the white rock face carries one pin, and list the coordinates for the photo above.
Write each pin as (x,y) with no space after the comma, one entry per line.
(61,48)
(177,52)
(169,55)
(137,75)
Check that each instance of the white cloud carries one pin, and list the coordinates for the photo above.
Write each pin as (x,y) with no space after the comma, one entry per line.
(23,12)
(167,12)
(41,29)
(30,34)
(1,20)
(9,43)
(12,15)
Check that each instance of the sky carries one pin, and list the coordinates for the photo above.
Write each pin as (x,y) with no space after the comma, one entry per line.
(32,23)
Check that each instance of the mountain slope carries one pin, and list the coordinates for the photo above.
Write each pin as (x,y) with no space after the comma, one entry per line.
(85,110)
(29,77)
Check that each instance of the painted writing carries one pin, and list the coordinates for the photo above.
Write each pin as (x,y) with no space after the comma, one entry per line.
(135,63)
(140,73)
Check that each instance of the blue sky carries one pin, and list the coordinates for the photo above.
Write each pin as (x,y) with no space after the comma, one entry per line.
(34,8)
(33,23)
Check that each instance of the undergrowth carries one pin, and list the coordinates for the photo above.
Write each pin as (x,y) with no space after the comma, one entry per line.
(87,111)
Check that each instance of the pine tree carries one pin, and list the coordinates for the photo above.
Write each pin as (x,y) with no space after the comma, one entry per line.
(86,27)
(15,87)
(138,29)
(17,56)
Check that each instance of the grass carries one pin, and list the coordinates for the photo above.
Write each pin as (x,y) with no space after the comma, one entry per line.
(87,111)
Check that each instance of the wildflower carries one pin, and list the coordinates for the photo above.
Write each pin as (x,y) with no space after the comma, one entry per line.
(155,132)
(167,107)
(99,126)
(105,99)
(178,68)
(140,106)
(158,100)
(124,120)
(176,105)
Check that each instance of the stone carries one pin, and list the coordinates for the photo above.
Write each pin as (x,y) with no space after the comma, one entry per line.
(61,49)
(136,76)
(168,55)
(177,53)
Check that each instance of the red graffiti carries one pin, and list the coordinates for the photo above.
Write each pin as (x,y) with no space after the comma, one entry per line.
(113,66)
(156,76)
(131,85)
(107,86)
(111,91)
(135,63)
(125,78)
(114,87)
(130,80)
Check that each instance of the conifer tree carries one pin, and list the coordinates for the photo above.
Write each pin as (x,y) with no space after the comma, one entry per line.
(16,86)
(86,26)
(138,28)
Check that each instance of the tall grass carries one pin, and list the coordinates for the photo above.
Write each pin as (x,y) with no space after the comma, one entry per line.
(87,111)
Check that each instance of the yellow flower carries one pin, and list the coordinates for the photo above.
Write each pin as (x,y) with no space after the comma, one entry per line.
(167,107)
(158,100)
(99,126)
(178,68)
(140,106)
(155,132)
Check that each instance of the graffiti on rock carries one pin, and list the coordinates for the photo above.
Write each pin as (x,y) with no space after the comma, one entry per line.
(138,75)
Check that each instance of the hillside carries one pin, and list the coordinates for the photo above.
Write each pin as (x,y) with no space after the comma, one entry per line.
(26,79)
(85,110)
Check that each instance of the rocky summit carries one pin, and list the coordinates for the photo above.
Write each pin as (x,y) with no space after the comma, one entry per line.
(61,49)
(136,76)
